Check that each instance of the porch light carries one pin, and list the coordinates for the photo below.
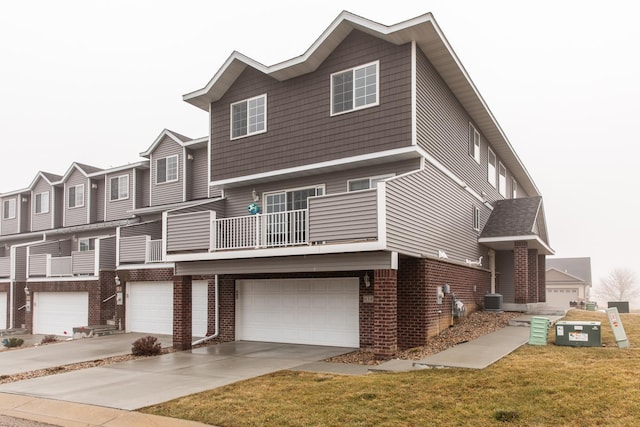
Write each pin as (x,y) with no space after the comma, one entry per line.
(367,283)
(255,195)
(117,280)
(26,290)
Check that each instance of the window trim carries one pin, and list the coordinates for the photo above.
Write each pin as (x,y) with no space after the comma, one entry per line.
(493,182)
(502,184)
(75,196)
(474,149)
(120,197)
(166,158)
(353,70)
(291,190)
(35,203)
(377,178)
(15,208)
(263,130)
(89,241)
(475,218)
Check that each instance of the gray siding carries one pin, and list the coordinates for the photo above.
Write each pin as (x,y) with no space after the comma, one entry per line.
(215,191)
(300,128)
(335,182)
(108,253)
(83,262)
(153,229)
(25,213)
(133,249)
(21,263)
(76,215)
(186,232)
(142,188)
(37,265)
(5,266)
(505,275)
(346,216)
(167,192)
(97,200)
(58,206)
(427,212)
(42,221)
(55,248)
(198,173)
(117,209)
(10,226)
(443,131)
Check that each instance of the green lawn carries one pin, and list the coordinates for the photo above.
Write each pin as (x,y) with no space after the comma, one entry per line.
(534,386)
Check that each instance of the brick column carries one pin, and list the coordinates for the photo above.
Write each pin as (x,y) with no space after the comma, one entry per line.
(182,322)
(542,278)
(533,275)
(521,271)
(385,316)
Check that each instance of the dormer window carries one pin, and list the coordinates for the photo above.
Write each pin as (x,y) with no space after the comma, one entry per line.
(249,117)
(76,196)
(166,169)
(9,209)
(354,89)
(119,187)
(41,204)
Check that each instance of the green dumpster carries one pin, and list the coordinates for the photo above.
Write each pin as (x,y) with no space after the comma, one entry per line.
(578,333)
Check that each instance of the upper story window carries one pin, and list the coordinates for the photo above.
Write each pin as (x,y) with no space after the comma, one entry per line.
(514,188)
(119,187)
(249,117)
(41,203)
(86,244)
(166,170)
(9,209)
(366,183)
(355,88)
(76,196)
(491,167)
(476,218)
(474,143)
(502,180)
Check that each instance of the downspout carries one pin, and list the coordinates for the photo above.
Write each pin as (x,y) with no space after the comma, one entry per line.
(216,317)
(492,268)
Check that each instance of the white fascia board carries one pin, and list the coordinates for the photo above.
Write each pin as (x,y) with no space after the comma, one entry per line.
(151,266)
(63,279)
(158,140)
(314,166)
(136,165)
(279,252)
(532,237)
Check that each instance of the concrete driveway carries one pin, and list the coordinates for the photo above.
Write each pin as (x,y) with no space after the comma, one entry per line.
(138,383)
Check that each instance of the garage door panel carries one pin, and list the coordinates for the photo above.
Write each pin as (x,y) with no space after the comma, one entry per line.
(3,310)
(57,313)
(304,311)
(150,307)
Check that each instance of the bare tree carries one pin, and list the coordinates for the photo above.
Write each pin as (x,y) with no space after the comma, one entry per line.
(620,285)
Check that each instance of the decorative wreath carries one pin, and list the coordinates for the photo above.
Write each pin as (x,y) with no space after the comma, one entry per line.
(253,209)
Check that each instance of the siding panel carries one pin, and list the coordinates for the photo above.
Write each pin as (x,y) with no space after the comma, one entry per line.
(186,232)
(167,192)
(153,229)
(198,171)
(9,226)
(347,216)
(83,262)
(117,209)
(133,249)
(76,215)
(41,221)
(108,253)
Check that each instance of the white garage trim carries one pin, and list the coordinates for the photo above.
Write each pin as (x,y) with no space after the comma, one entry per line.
(57,313)
(149,307)
(3,310)
(301,311)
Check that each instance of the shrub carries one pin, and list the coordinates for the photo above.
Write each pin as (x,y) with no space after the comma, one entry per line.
(48,339)
(146,346)
(12,342)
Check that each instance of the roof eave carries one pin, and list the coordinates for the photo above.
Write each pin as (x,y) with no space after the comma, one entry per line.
(506,243)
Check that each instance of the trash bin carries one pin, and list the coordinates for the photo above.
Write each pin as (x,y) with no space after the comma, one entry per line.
(578,333)
(539,331)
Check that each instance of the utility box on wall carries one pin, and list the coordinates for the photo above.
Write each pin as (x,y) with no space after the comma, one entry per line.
(579,333)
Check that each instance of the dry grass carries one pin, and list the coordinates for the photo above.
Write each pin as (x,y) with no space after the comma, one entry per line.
(535,386)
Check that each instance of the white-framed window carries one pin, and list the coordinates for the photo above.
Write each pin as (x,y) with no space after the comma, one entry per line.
(476,218)
(249,117)
(502,179)
(355,88)
(167,169)
(76,196)
(119,187)
(86,244)
(474,143)
(9,209)
(514,188)
(41,203)
(491,167)
(366,183)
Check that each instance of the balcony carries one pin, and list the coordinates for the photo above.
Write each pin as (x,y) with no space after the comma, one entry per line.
(5,266)
(140,249)
(338,218)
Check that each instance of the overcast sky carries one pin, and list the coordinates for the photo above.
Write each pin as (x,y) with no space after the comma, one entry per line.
(97,81)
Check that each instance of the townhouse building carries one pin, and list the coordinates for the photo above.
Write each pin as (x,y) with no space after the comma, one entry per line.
(349,196)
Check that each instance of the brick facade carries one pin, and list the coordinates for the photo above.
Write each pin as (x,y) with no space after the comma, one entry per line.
(521,271)
(542,278)
(385,313)
(182,316)
(532,264)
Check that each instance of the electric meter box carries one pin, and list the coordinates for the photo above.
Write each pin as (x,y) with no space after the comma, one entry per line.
(579,334)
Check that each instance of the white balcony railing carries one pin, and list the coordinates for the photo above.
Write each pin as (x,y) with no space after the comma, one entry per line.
(154,251)
(262,230)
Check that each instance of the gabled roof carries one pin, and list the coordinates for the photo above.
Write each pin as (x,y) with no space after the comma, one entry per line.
(86,170)
(555,276)
(577,267)
(516,219)
(180,139)
(429,38)
(50,178)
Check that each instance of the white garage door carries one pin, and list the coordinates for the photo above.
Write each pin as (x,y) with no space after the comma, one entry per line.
(301,311)
(57,313)
(3,310)
(561,297)
(150,307)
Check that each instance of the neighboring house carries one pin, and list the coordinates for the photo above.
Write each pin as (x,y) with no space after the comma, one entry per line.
(345,197)
(568,280)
